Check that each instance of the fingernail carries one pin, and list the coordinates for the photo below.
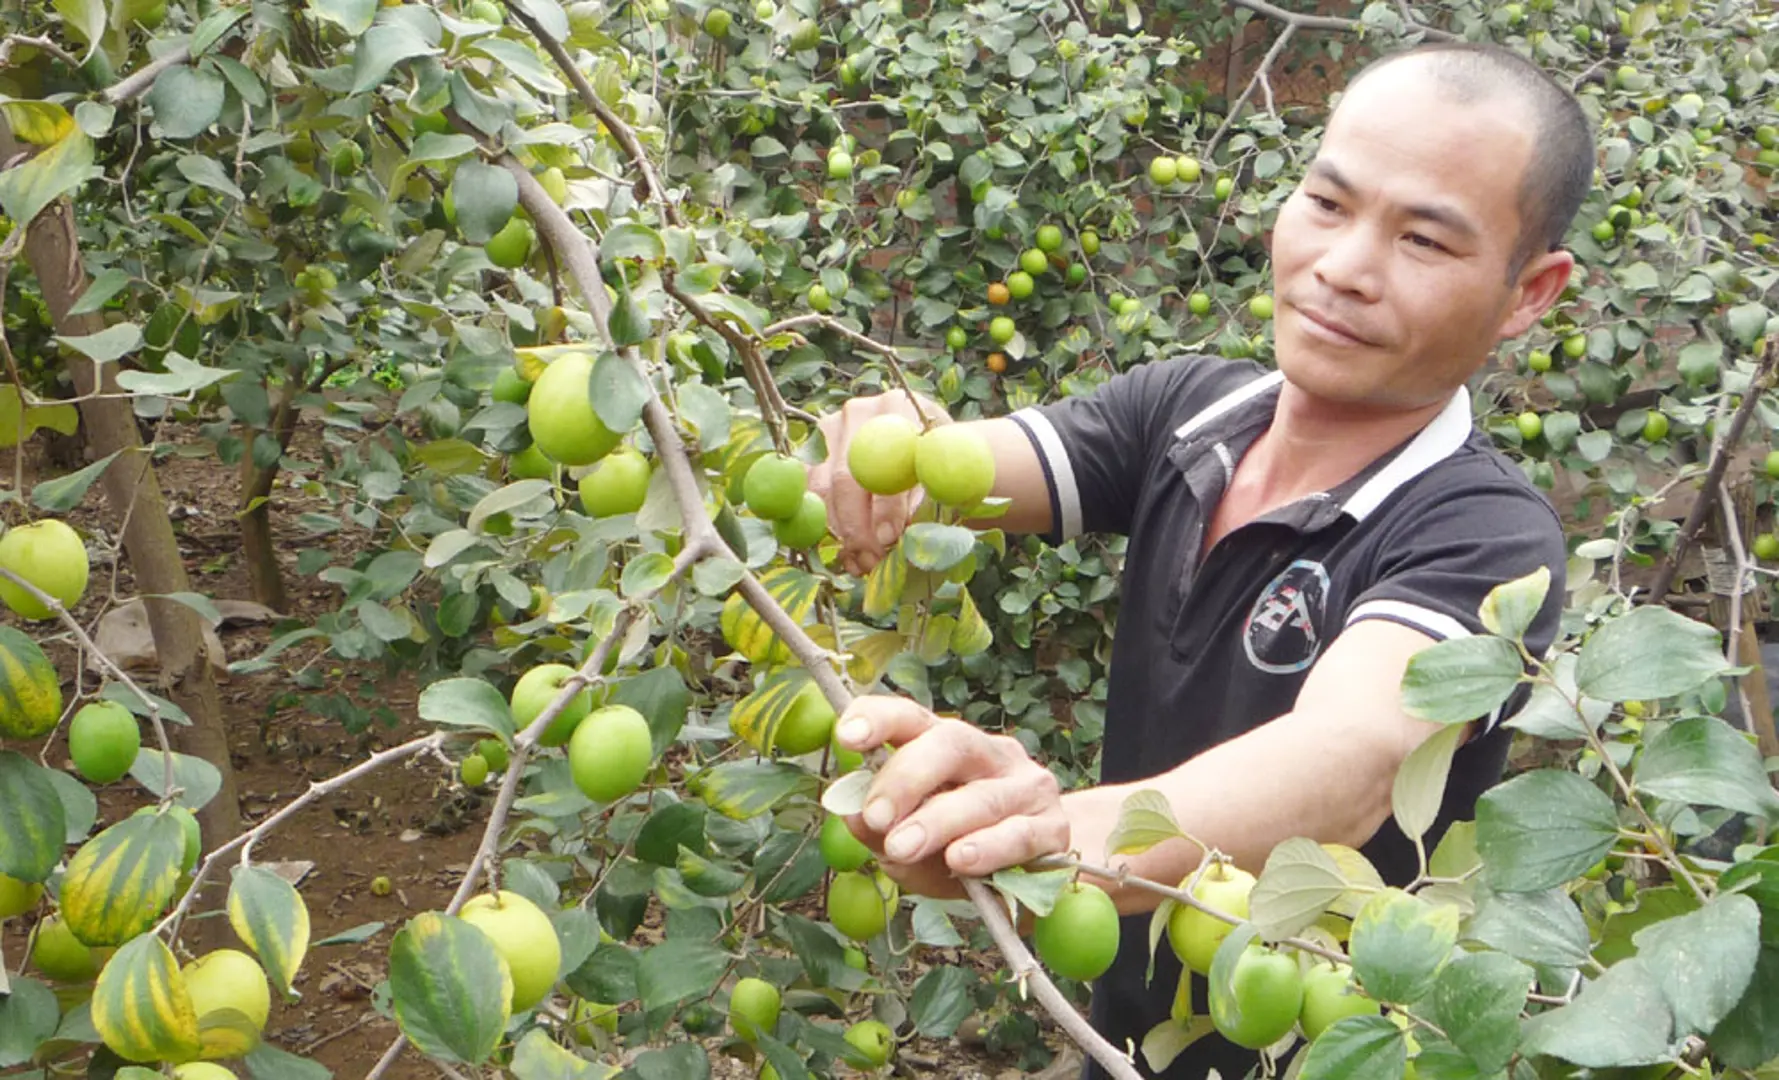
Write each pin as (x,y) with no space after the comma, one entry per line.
(965,854)
(904,843)
(886,533)
(879,814)
(854,732)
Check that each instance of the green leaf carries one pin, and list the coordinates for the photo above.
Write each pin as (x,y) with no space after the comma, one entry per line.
(548,15)
(716,576)
(86,19)
(941,1001)
(357,934)
(823,957)
(1616,938)
(1541,829)
(631,240)
(109,344)
(1618,1019)
(26,189)
(1169,1039)
(181,377)
(197,779)
(451,991)
(1747,322)
(661,696)
(538,1057)
(1758,879)
(686,1061)
(1398,944)
(516,498)
(467,703)
(207,171)
(80,807)
(443,146)
(931,546)
(628,324)
(1461,679)
(619,392)
(267,1062)
(706,877)
(669,828)
(646,574)
(1703,761)
(677,969)
(1419,788)
(485,197)
(269,916)
(352,16)
(199,603)
(65,492)
(1357,1048)
(1477,1001)
(186,101)
(1299,882)
(1749,1035)
(1704,960)
(380,49)
(1544,928)
(1651,652)
(1145,819)
(214,27)
(521,62)
(29,1014)
(36,824)
(1035,889)
(742,789)
(100,291)
(731,308)
(1509,609)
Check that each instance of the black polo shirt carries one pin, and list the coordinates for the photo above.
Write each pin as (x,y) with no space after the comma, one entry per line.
(1204,653)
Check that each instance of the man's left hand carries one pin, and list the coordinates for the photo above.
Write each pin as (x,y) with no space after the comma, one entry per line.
(953,800)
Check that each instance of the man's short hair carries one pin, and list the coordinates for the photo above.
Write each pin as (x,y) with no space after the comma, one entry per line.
(1561,169)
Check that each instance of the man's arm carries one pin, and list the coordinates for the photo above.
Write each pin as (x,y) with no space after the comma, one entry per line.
(974,803)
(867,525)
(1324,771)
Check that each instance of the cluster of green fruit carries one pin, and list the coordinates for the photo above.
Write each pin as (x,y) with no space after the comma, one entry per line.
(776,489)
(954,465)
(566,430)
(1269,991)
(610,748)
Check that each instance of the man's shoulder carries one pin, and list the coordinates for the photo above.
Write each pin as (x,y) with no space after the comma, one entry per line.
(1186,383)
(1478,479)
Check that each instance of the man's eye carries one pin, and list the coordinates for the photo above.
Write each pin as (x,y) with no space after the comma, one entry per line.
(1324,204)
(1426,242)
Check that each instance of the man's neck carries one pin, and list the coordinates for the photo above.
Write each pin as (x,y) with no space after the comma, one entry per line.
(1315,445)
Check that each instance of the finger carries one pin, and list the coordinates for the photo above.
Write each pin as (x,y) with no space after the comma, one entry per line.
(890,514)
(947,755)
(872,720)
(1014,841)
(948,819)
(851,516)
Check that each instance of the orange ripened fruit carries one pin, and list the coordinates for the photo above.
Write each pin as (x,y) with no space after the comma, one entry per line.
(1195,935)
(955,464)
(753,1008)
(103,740)
(1329,995)
(841,850)
(1079,938)
(998,293)
(774,486)
(860,904)
(610,753)
(806,527)
(1264,1000)
(881,456)
(617,484)
(50,556)
(997,362)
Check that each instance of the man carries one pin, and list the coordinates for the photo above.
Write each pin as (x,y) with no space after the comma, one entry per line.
(1295,537)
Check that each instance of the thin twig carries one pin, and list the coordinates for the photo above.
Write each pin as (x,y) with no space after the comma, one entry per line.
(888,352)
(1720,460)
(88,644)
(1259,76)
(43,43)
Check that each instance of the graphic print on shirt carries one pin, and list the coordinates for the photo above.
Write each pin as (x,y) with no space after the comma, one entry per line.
(1282,634)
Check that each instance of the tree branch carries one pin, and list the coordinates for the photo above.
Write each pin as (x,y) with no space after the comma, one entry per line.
(137,84)
(1720,460)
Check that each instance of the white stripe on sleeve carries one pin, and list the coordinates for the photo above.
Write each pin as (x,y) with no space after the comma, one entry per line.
(1062,473)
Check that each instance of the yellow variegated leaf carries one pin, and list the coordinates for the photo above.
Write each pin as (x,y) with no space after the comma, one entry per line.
(41,123)
(269,915)
(141,1007)
(884,584)
(971,635)
(1360,875)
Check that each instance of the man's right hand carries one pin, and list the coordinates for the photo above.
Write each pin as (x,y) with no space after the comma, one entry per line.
(866,525)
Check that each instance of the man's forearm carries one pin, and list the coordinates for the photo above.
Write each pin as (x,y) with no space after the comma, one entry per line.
(1326,777)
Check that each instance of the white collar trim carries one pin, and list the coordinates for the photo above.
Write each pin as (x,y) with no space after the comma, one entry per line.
(1440,439)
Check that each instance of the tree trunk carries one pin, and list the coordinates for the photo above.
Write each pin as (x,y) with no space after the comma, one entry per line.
(134,494)
(256,536)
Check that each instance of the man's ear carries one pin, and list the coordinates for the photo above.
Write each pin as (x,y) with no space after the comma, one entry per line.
(1541,281)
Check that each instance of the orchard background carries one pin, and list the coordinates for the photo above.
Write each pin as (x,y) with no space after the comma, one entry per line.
(278,278)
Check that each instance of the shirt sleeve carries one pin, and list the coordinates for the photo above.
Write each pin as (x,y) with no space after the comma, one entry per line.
(1435,568)
(1097,448)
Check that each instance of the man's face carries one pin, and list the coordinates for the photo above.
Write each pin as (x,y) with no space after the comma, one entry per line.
(1390,260)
